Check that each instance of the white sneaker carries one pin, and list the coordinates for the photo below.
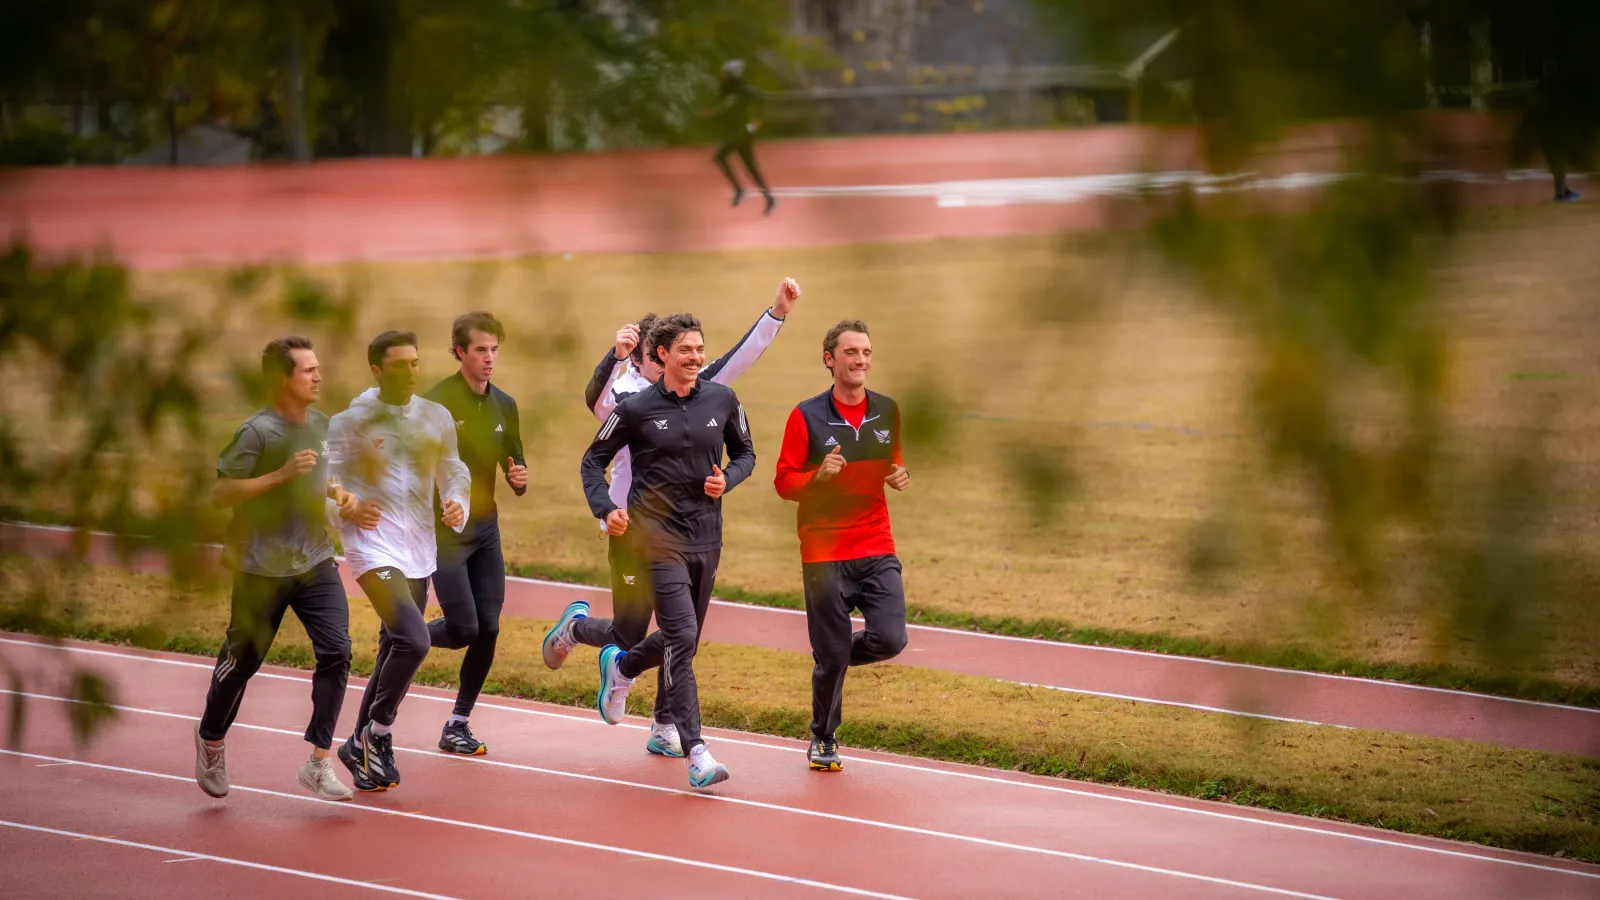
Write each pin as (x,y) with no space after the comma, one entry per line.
(703,770)
(210,766)
(664,741)
(317,776)
(612,701)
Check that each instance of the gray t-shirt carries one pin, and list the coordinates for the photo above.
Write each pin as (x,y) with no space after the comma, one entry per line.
(283,532)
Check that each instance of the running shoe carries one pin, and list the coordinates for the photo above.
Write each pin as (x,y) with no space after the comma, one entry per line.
(317,776)
(210,766)
(664,741)
(558,641)
(377,750)
(1568,196)
(703,770)
(612,701)
(356,761)
(457,738)
(823,755)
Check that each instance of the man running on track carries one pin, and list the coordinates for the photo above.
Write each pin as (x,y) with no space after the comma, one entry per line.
(840,449)
(631,602)
(394,449)
(274,474)
(675,432)
(736,97)
(471,579)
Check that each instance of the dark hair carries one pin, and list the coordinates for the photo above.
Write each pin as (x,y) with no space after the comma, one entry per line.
(379,348)
(669,329)
(830,343)
(278,357)
(478,320)
(647,322)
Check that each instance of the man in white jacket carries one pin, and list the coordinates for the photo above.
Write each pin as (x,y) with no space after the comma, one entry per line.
(393,449)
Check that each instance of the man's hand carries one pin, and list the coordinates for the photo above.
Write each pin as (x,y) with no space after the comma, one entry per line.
(297,465)
(899,478)
(832,464)
(627,339)
(349,504)
(516,476)
(617,522)
(716,484)
(788,293)
(365,515)
(454,515)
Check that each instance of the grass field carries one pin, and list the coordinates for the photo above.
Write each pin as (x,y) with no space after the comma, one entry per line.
(1540,802)
(1079,416)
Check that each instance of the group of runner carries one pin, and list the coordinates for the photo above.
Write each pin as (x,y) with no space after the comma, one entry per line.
(408,482)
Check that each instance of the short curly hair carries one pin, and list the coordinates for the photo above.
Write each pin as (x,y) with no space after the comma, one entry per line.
(668,329)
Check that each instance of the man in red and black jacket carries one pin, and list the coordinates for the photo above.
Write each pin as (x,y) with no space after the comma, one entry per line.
(840,449)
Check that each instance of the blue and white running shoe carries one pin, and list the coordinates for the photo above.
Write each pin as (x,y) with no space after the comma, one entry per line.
(612,701)
(558,641)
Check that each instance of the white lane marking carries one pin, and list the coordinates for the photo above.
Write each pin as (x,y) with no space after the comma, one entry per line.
(920,769)
(1057,646)
(190,856)
(511,832)
(1061,189)
(756,804)
(1194,706)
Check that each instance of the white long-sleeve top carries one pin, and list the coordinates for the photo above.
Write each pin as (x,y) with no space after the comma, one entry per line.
(625,381)
(396,456)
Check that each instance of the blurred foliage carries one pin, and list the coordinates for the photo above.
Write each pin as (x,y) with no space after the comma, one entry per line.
(1347,325)
(363,77)
(103,426)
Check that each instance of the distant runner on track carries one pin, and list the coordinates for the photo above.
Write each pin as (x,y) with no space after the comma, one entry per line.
(840,450)
(737,99)
(274,475)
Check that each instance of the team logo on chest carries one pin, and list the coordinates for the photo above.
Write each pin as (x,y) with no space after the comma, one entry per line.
(883,436)
(661,424)
(830,442)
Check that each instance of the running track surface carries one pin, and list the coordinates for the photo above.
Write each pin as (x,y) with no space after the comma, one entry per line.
(1207,685)
(566,806)
(846,191)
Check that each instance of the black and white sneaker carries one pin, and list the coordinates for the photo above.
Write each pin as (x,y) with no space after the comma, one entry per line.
(377,751)
(457,738)
(350,754)
(823,755)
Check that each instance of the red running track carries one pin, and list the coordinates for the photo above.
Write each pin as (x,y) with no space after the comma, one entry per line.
(834,192)
(1207,685)
(567,806)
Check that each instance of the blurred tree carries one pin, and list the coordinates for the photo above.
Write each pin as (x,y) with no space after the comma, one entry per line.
(128,450)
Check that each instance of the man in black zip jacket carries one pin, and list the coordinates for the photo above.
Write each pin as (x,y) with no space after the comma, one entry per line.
(675,432)
(471,578)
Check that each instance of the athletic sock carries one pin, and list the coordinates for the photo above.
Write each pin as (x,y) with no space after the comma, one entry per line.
(380,729)
(455,719)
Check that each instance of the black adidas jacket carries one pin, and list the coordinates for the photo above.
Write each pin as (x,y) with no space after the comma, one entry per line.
(674,441)
(488,432)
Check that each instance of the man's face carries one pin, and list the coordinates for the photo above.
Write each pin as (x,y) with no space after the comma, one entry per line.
(303,384)
(398,374)
(478,356)
(685,357)
(851,360)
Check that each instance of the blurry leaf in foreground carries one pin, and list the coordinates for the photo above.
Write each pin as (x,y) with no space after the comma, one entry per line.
(93,708)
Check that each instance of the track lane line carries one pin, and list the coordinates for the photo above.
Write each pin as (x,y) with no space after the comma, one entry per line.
(1264,820)
(1063,646)
(192,856)
(478,826)
(757,804)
